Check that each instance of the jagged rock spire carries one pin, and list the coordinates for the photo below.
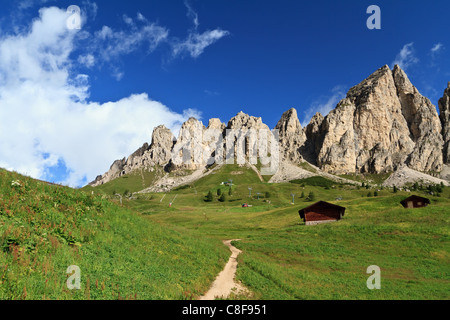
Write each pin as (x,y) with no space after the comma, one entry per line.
(291,135)
(444,110)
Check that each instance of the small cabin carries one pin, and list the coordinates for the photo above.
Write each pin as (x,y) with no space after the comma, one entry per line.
(415,202)
(321,212)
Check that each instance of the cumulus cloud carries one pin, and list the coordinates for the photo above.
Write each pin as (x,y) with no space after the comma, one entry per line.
(324,104)
(46,118)
(406,57)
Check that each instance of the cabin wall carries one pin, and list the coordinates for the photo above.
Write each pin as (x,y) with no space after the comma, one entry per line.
(324,214)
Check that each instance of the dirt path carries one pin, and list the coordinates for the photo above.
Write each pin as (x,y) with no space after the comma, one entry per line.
(225,284)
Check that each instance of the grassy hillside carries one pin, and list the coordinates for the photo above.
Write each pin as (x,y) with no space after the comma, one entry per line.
(131,182)
(45,228)
(284,259)
(149,249)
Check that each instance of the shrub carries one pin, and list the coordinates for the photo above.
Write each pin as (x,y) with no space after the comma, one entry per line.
(219,192)
(209,197)
(267,195)
(222,198)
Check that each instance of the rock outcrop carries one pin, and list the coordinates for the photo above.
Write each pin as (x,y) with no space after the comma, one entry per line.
(291,136)
(444,110)
(383,123)
(158,153)
(423,123)
(314,139)
(187,152)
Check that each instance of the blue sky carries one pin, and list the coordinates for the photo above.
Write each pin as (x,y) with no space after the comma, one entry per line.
(73,101)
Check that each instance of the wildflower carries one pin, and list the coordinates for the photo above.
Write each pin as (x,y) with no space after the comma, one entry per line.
(16,183)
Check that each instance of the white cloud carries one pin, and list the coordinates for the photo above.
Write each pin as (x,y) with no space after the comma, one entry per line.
(406,57)
(196,43)
(437,47)
(45,114)
(324,105)
(87,60)
(192,14)
(128,20)
(140,17)
(112,44)
(109,45)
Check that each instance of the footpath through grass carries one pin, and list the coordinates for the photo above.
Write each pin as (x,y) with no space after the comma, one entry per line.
(284,259)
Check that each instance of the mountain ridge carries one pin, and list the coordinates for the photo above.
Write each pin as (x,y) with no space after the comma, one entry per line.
(382,125)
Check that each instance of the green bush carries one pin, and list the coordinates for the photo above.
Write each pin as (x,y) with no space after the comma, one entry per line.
(209,197)
(311,196)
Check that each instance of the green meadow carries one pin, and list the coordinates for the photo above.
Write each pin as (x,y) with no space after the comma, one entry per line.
(44,229)
(146,249)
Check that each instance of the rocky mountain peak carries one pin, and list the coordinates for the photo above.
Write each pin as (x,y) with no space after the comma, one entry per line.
(244,121)
(291,135)
(383,123)
(215,123)
(402,82)
(444,110)
(289,123)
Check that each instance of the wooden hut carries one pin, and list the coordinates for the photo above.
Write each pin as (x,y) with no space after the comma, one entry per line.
(415,202)
(321,212)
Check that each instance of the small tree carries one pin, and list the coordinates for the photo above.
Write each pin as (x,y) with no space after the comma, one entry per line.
(219,192)
(302,195)
(209,197)
(267,195)
(369,194)
(311,196)
(375,193)
(395,189)
(222,198)
(230,192)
